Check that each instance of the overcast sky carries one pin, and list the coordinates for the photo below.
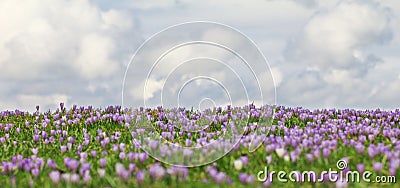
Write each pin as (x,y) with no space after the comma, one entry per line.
(322,54)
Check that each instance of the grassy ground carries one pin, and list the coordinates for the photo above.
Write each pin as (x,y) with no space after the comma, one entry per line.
(299,140)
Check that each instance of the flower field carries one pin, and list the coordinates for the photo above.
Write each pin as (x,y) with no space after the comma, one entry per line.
(112,147)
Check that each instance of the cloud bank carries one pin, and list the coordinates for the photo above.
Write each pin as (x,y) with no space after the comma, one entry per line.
(70,51)
(323,54)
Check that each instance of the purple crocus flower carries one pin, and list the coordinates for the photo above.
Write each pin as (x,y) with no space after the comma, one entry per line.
(66,177)
(269,159)
(156,171)
(71,139)
(250,179)
(39,162)
(317,153)
(35,172)
(267,183)
(36,138)
(69,146)
(377,166)
(371,137)
(309,157)
(85,167)
(132,167)
(360,167)
(122,146)
(392,171)
(142,157)
(362,138)
(34,157)
(245,160)
(122,172)
(75,178)
(326,152)
(79,148)
(212,171)
(122,155)
(229,181)
(341,183)
(188,142)
(153,144)
(102,162)
(71,164)
(93,153)
(140,176)
(115,148)
(55,176)
(51,164)
(184,172)
(394,163)
(220,177)
(187,152)
(63,149)
(44,134)
(372,151)
(360,148)
(243,178)
(83,155)
(86,177)
(103,143)
(131,156)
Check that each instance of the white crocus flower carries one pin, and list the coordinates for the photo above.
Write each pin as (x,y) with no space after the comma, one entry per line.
(286,158)
(280,152)
(238,164)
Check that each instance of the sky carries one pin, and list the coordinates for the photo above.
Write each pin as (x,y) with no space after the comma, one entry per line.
(320,54)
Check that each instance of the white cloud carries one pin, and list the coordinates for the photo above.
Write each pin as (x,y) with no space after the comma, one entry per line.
(338,76)
(149,88)
(342,53)
(246,16)
(330,37)
(61,47)
(153,4)
(118,20)
(330,62)
(94,57)
(197,60)
(63,32)
(277,75)
(306,3)
(28,102)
